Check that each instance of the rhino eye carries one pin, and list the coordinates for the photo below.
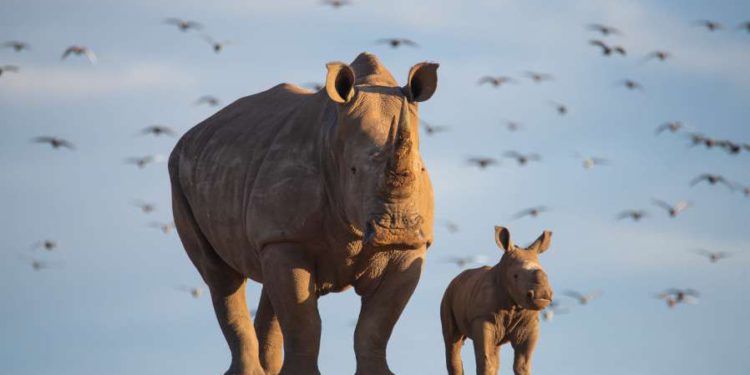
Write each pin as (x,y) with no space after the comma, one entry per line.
(354,170)
(515,276)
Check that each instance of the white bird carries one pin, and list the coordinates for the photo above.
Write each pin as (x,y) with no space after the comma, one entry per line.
(673,209)
(145,207)
(166,228)
(713,256)
(183,25)
(583,299)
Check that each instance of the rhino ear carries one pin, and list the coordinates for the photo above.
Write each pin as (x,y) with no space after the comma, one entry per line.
(339,82)
(542,243)
(422,82)
(502,238)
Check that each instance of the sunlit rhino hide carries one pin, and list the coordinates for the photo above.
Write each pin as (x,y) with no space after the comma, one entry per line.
(496,305)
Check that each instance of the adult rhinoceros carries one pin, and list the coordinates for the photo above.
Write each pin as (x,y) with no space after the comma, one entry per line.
(308,193)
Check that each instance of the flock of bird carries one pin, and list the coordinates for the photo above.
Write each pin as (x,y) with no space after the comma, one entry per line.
(608,49)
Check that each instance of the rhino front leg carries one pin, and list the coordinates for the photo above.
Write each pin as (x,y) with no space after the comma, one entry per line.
(381,307)
(289,281)
(269,334)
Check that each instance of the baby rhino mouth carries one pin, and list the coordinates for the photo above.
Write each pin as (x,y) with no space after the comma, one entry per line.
(399,229)
(538,300)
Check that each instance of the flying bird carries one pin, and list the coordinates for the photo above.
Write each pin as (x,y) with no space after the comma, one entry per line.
(713,256)
(521,158)
(166,228)
(80,51)
(183,25)
(195,292)
(397,42)
(450,226)
(561,109)
(55,142)
(336,3)
(8,69)
(38,265)
(745,26)
(464,261)
(553,309)
(712,179)
(217,46)
(673,209)
(482,162)
(158,130)
(700,139)
(672,126)
(604,29)
(659,55)
(48,245)
(709,25)
(145,160)
(16,45)
(583,299)
(432,129)
(729,146)
(589,162)
(145,207)
(631,84)
(675,296)
(212,101)
(635,215)
(513,126)
(608,50)
(533,212)
(495,81)
(539,77)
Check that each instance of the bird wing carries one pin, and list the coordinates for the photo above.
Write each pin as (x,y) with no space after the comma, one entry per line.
(43,139)
(699,179)
(598,43)
(409,42)
(682,206)
(486,79)
(573,294)
(173,21)
(513,154)
(67,52)
(90,55)
(662,204)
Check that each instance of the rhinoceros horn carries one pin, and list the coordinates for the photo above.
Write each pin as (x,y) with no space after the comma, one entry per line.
(400,170)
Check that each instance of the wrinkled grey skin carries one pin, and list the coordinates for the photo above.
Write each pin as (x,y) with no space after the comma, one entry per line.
(308,193)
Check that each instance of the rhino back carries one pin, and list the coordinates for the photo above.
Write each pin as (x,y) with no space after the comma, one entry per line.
(250,173)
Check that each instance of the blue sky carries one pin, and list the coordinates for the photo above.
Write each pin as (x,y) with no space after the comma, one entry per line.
(110,303)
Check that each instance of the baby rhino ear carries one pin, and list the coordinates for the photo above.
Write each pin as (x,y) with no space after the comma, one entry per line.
(542,243)
(502,238)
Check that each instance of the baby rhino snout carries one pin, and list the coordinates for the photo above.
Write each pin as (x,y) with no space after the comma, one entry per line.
(540,295)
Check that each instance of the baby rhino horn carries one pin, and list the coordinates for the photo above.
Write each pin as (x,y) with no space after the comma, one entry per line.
(542,243)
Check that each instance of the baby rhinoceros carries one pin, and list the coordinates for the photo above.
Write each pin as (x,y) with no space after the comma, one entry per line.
(496,305)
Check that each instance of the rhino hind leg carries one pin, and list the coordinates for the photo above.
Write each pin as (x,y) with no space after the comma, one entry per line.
(227,289)
(269,334)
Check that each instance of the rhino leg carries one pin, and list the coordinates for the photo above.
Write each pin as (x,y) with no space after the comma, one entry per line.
(487,354)
(289,280)
(453,338)
(227,289)
(382,304)
(269,335)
